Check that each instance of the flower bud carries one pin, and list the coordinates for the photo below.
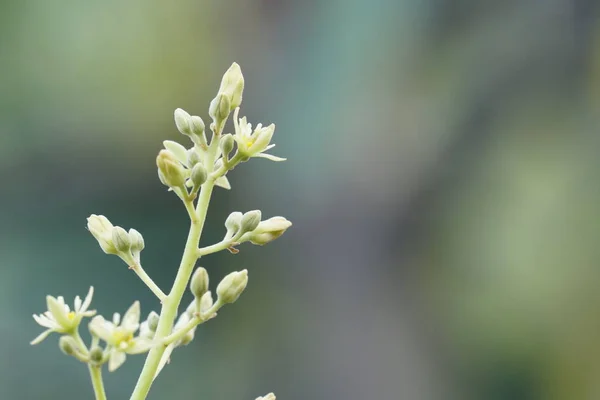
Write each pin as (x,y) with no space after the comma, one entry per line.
(193,157)
(250,220)
(232,286)
(219,108)
(183,121)
(206,302)
(232,223)
(199,282)
(188,337)
(269,230)
(101,228)
(137,241)
(67,345)
(152,319)
(199,174)
(121,239)
(171,171)
(226,144)
(198,135)
(96,354)
(232,85)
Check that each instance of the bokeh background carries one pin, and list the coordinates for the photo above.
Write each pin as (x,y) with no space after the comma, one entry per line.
(443,180)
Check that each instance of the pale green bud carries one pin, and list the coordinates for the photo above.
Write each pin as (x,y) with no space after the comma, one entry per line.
(67,345)
(137,241)
(96,354)
(199,174)
(153,318)
(101,228)
(121,239)
(269,230)
(171,170)
(226,144)
(232,85)
(199,137)
(199,282)
(219,108)
(193,157)
(206,302)
(233,222)
(250,220)
(232,286)
(183,121)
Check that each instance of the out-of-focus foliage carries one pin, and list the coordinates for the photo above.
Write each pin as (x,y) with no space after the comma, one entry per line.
(443,180)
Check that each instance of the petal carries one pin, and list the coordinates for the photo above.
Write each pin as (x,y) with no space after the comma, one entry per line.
(131,319)
(223,182)
(140,345)
(88,300)
(269,157)
(116,359)
(178,151)
(58,311)
(45,321)
(101,328)
(77,304)
(41,337)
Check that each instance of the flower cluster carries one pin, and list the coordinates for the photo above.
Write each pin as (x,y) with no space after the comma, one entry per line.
(191,173)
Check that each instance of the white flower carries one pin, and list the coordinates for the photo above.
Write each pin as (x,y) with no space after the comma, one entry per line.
(269,396)
(269,230)
(59,317)
(119,335)
(253,144)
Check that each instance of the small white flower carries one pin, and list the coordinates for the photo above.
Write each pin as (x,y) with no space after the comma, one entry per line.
(269,396)
(60,318)
(269,230)
(101,228)
(119,335)
(253,143)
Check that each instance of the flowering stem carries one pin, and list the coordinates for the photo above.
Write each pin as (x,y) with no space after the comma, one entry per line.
(97,383)
(192,323)
(171,302)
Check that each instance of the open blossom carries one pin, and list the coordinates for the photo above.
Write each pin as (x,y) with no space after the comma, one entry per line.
(60,318)
(119,335)
(253,143)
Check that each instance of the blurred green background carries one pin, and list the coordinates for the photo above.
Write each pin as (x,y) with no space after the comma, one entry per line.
(443,180)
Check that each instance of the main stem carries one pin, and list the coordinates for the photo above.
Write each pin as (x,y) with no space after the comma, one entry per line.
(171,303)
(96,375)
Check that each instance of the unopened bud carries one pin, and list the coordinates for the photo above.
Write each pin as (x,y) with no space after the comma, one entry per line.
(67,345)
(269,230)
(137,241)
(232,223)
(199,282)
(153,319)
(183,121)
(232,286)
(206,302)
(101,228)
(121,239)
(199,137)
(250,220)
(96,354)
(199,174)
(219,108)
(226,144)
(188,337)
(193,157)
(170,169)
(232,85)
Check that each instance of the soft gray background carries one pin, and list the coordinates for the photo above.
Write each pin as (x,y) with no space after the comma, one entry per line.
(443,180)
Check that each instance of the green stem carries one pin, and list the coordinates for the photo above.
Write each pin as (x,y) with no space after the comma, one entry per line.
(171,303)
(97,383)
(137,268)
